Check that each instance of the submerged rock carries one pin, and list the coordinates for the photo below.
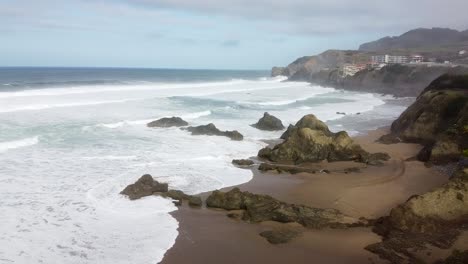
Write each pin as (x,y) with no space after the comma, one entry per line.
(310,140)
(259,208)
(280,236)
(242,162)
(168,122)
(145,186)
(212,130)
(269,123)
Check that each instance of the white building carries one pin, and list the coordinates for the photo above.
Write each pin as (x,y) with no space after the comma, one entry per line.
(462,52)
(389,59)
(416,59)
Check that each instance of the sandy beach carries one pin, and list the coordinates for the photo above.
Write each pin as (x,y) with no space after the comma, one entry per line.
(208,236)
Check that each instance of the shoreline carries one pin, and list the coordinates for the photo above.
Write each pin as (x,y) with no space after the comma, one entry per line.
(209,236)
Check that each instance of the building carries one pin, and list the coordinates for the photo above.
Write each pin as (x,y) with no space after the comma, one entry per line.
(416,59)
(396,59)
(462,52)
(389,59)
(352,69)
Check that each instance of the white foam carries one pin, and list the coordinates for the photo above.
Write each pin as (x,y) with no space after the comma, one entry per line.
(60,105)
(5,146)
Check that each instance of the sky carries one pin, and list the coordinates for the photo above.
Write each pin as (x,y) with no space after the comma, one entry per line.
(204,34)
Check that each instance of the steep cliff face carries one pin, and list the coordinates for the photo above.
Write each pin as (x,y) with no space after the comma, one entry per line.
(438,119)
(328,60)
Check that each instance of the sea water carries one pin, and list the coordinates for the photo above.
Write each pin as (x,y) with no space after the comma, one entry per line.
(72,138)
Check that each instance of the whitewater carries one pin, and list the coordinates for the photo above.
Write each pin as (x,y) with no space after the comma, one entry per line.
(66,151)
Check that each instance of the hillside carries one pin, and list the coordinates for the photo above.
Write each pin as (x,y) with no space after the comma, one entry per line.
(418,39)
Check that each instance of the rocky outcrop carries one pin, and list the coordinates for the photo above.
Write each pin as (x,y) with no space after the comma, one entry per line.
(259,208)
(269,123)
(279,71)
(168,122)
(434,218)
(212,130)
(144,186)
(147,186)
(438,120)
(310,140)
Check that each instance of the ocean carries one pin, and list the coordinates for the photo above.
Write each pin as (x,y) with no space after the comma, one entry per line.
(72,138)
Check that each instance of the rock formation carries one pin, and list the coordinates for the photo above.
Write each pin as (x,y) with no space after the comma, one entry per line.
(212,130)
(168,122)
(269,123)
(438,120)
(144,186)
(310,140)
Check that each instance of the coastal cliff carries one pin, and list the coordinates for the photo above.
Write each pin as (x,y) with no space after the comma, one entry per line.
(398,80)
(436,45)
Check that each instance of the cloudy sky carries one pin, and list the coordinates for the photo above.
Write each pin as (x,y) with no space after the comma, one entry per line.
(235,34)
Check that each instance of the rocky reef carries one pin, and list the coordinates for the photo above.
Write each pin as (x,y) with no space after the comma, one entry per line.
(269,123)
(258,208)
(310,140)
(212,130)
(168,122)
(147,186)
(438,120)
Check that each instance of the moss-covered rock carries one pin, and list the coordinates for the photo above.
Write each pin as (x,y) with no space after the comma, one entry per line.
(310,140)
(437,120)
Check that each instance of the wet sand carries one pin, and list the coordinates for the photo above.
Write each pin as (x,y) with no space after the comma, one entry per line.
(209,236)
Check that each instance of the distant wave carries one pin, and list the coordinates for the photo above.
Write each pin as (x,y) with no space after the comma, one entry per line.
(5,146)
(110,157)
(146,121)
(47,106)
(134,86)
(196,115)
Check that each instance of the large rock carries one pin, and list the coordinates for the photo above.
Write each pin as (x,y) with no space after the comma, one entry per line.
(144,186)
(212,130)
(310,140)
(438,120)
(269,123)
(168,122)
(435,210)
(259,208)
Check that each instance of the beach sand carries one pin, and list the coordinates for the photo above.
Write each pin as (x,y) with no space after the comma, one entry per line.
(209,236)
